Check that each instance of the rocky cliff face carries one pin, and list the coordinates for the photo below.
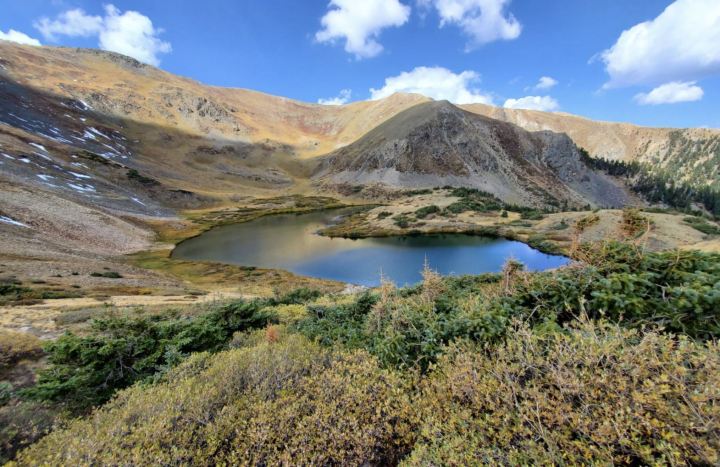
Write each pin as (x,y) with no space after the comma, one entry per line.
(435,144)
(693,154)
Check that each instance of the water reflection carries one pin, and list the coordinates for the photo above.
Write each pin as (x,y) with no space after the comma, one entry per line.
(289,242)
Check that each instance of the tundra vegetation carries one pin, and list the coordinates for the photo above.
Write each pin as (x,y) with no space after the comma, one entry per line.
(612,360)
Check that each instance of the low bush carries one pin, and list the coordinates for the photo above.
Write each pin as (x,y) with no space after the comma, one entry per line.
(633,223)
(586,221)
(676,291)
(595,394)
(702,225)
(107,274)
(279,402)
(424,212)
(119,350)
(402,220)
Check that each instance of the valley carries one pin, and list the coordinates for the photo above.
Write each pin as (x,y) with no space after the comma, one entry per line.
(232,253)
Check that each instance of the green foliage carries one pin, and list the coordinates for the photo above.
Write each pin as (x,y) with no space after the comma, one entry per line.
(532,215)
(678,290)
(633,223)
(586,221)
(384,214)
(135,176)
(423,212)
(658,185)
(702,225)
(402,221)
(87,370)
(508,368)
(107,274)
(120,351)
(13,292)
(593,393)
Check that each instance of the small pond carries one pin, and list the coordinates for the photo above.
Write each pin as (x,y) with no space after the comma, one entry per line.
(290,242)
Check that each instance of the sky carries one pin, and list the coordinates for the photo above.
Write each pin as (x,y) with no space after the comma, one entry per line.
(649,62)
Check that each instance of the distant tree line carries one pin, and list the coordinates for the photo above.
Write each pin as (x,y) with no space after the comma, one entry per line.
(656,185)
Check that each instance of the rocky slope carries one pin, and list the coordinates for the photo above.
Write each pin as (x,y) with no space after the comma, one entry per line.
(693,153)
(437,143)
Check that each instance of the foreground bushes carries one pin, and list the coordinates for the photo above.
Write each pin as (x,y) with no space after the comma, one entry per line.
(591,394)
(289,401)
(609,362)
(87,370)
(676,291)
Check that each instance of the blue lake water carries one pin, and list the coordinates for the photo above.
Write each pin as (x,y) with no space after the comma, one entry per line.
(290,242)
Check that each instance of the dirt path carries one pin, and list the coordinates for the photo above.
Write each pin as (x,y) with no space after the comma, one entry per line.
(40,319)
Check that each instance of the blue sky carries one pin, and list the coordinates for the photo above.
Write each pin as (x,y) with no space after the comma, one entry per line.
(662,73)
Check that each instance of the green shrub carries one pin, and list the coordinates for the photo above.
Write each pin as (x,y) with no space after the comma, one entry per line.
(423,212)
(135,176)
(384,214)
(87,370)
(702,225)
(532,215)
(107,274)
(402,221)
(586,221)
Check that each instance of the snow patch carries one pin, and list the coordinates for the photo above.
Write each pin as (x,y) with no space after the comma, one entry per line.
(138,201)
(11,221)
(39,146)
(79,175)
(82,188)
(45,177)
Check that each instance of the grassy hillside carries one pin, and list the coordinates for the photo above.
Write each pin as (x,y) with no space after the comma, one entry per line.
(614,360)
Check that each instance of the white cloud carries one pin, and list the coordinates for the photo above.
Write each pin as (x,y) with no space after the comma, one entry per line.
(546,82)
(483,21)
(359,23)
(544,103)
(671,93)
(70,23)
(130,33)
(133,34)
(343,98)
(682,43)
(436,83)
(19,37)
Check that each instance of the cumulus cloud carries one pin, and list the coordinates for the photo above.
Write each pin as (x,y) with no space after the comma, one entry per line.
(129,33)
(671,93)
(546,82)
(681,44)
(359,24)
(483,21)
(343,98)
(19,37)
(544,103)
(436,83)
(75,23)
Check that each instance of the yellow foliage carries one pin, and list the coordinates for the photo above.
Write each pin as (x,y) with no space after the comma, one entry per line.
(289,401)
(594,395)
(15,346)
